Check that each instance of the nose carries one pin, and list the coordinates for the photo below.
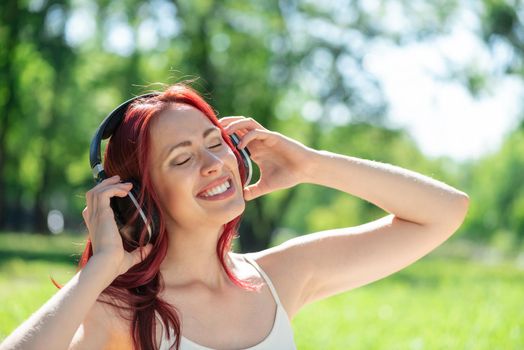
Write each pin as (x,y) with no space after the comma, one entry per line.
(211,163)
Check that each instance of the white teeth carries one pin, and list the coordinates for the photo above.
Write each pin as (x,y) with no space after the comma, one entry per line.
(217,190)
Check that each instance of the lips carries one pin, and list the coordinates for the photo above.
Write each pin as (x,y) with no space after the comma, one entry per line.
(215,183)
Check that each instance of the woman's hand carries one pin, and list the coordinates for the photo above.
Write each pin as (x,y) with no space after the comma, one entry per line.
(282,161)
(103,231)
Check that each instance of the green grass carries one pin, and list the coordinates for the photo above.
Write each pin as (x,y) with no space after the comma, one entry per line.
(446,300)
(27,262)
(433,304)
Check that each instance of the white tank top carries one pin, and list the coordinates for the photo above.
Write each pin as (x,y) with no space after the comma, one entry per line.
(280,337)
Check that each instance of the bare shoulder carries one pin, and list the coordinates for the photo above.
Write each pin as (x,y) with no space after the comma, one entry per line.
(288,275)
(321,264)
(103,328)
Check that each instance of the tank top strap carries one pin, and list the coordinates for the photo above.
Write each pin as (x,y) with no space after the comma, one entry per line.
(159,321)
(266,278)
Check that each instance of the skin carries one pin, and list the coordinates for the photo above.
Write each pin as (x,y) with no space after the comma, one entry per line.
(422,214)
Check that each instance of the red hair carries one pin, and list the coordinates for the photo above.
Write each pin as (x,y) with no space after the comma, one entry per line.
(127,154)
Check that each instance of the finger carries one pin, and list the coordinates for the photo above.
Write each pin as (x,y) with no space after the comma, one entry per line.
(121,185)
(109,181)
(90,195)
(118,190)
(225,121)
(90,203)
(101,199)
(242,122)
(253,135)
(98,199)
(85,213)
(109,191)
(240,134)
(245,123)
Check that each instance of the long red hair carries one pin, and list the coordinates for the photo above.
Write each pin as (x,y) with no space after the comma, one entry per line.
(127,155)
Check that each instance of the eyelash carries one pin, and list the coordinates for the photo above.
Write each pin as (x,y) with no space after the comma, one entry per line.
(187,160)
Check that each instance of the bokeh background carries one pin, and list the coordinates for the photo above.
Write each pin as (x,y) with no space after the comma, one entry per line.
(433,86)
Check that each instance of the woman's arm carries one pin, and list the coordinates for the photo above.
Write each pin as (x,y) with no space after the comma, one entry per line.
(55,323)
(424,213)
(406,194)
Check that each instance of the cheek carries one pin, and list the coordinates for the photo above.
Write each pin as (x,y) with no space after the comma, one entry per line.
(174,194)
(179,192)
(234,165)
(231,161)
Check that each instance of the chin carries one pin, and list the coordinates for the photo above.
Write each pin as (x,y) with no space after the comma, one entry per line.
(234,211)
(237,210)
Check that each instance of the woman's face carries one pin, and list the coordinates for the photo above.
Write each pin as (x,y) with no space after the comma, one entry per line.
(191,166)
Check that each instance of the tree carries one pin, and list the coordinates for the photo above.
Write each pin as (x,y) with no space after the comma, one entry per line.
(295,66)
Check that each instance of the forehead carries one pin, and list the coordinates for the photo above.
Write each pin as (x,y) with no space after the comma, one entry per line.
(179,121)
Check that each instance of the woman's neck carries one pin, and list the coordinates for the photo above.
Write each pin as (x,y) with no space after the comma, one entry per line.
(192,258)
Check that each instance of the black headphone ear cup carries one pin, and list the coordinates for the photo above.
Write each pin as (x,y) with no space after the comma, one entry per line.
(125,208)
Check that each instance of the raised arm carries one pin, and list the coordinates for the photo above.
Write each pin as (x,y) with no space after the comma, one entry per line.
(407,195)
(423,214)
(56,322)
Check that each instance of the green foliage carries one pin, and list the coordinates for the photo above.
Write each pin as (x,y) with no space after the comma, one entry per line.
(297,67)
(502,25)
(497,189)
(500,17)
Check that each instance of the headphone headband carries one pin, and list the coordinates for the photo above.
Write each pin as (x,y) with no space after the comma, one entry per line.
(105,130)
(115,118)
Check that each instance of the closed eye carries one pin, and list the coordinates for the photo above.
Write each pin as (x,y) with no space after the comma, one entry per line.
(187,160)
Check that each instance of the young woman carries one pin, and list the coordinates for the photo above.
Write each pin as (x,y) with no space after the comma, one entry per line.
(186,289)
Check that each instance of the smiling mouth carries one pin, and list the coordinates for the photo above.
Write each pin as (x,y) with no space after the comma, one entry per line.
(218,193)
(217,189)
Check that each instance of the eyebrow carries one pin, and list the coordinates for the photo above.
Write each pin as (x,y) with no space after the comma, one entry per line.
(188,143)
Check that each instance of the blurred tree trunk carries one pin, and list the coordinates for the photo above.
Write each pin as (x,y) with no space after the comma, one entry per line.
(11,15)
(41,209)
(41,195)
(62,59)
(197,33)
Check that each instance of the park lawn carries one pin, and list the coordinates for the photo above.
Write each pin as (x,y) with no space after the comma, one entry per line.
(27,262)
(436,303)
(432,304)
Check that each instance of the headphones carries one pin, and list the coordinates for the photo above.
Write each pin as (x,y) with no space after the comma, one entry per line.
(125,208)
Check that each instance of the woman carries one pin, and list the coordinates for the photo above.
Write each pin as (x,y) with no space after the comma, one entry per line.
(185,288)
